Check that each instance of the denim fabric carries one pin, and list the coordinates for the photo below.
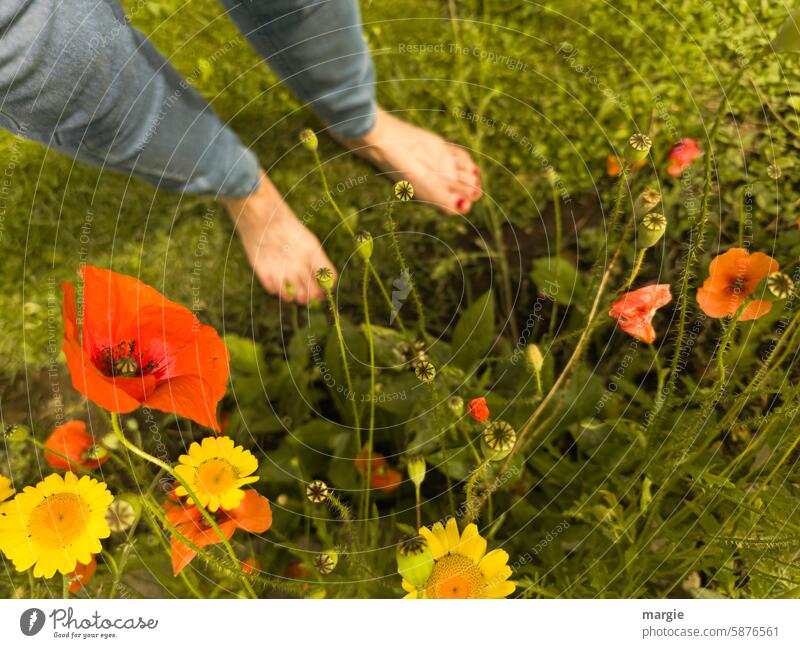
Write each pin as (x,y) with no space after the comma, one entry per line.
(75,76)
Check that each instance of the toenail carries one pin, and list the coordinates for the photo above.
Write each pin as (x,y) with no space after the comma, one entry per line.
(460,204)
(475,171)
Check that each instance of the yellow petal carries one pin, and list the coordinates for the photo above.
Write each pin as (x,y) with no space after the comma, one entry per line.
(437,550)
(472,545)
(453,537)
(501,590)
(493,562)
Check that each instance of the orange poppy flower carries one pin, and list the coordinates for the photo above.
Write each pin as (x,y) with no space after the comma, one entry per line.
(634,310)
(478,410)
(614,166)
(82,575)
(138,348)
(733,277)
(73,441)
(253,515)
(682,154)
(382,476)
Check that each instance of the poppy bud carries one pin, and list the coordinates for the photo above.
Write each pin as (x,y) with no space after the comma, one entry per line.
(788,37)
(326,562)
(498,440)
(646,201)
(456,405)
(414,561)
(637,148)
(317,491)
(774,171)
(110,441)
(325,278)
(417,469)
(780,285)
(364,244)
(478,410)
(535,357)
(404,190)
(651,229)
(309,140)
(425,372)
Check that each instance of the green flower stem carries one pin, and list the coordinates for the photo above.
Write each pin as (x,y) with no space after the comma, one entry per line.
(65,578)
(584,337)
(472,510)
(74,465)
(371,429)
(346,365)
(115,425)
(418,507)
(538,376)
(637,266)
(557,255)
(350,231)
(404,268)
(723,345)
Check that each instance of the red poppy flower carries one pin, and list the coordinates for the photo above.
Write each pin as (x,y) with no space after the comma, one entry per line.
(251,565)
(634,310)
(733,277)
(382,476)
(73,441)
(682,154)
(138,348)
(253,515)
(478,409)
(82,575)
(614,166)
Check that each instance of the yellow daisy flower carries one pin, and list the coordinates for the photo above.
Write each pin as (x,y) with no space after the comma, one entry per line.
(56,524)
(216,472)
(461,566)
(6,490)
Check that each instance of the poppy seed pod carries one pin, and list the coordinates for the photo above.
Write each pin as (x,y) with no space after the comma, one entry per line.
(414,561)
(637,148)
(498,440)
(651,229)
(364,244)
(456,405)
(325,278)
(326,562)
(404,190)
(646,201)
(308,139)
(317,491)
(16,433)
(425,372)
(417,469)
(124,512)
(780,285)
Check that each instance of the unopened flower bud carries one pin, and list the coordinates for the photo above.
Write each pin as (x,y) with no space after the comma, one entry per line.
(551,176)
(325,278)
(637,148)
(417,469)
(317,491)
(309,139)
(651,229)
(110,441)
(456,405)
(326,562)
(498,440)
(404,190)
(364,244)
(534,357)
(646,201)
(414,561)
(425,371)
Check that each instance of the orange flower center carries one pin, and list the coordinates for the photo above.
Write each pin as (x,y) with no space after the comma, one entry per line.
(216,476)
(455,577)
(58,520)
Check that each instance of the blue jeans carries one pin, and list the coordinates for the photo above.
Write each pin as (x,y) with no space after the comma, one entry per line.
(75,76)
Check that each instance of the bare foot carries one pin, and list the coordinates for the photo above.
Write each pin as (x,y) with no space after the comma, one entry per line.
(284,254)
(442,173)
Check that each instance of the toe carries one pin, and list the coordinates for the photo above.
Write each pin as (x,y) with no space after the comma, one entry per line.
(461,204)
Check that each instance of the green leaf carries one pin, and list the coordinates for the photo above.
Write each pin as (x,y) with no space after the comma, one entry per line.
(557,278)
(474,332)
